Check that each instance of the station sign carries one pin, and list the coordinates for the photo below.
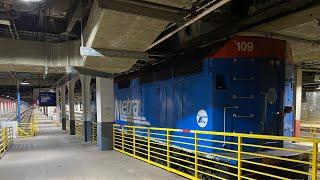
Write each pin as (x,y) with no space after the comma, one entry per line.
(47,99)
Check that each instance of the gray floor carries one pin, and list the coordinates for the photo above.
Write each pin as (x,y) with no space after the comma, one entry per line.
(56,155)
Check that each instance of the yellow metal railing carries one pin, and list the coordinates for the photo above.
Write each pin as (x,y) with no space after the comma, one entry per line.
(216,155)
(6,140)
(28,129)
(78,124)
(94,131)
(310,129)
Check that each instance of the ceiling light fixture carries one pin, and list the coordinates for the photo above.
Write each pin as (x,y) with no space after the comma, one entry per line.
(24,82)
(31,0)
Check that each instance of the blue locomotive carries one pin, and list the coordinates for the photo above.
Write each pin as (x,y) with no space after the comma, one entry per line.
(245,86)
(242,85)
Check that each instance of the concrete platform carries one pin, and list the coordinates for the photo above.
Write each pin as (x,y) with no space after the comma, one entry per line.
(55,155)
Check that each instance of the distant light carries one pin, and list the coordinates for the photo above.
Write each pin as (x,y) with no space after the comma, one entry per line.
(318,87)
(5,22)
(31,0)
(24,82)
(8,96)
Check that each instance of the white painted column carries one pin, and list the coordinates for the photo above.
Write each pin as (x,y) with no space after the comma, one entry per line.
(6,107)
(63,107)
(86,107)
(1,108)
(57,117)
(71,85)
(105,112)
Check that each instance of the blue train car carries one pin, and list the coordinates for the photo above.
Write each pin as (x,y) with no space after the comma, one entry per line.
(244,86)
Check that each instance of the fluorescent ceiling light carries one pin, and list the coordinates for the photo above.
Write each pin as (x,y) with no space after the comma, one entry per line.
(31,0)
(24,82)
(5,22)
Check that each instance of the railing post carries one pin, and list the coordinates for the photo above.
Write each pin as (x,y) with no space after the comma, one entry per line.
(92,133)
(148,145)
(122,133)
(1,139)
(196,174)
(168,148)
(113,135)
(134,141)
(239,157)
(5,139)
(11,136)
(315,161)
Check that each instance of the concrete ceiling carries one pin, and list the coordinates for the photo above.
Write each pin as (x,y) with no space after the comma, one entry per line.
(175,3)
(119,30)
(300,29)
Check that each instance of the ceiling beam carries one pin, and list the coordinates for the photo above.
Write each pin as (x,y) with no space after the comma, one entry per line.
(74,16)
(100,52)
(145,8)
(285,37)
(231,28)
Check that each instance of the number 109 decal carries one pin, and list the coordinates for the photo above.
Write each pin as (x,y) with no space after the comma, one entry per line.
(245,46)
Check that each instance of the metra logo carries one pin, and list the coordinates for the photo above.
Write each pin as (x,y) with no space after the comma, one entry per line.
(128,107)
(129,111)
(202,118)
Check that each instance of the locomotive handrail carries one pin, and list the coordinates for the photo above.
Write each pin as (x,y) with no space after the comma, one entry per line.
(206,154)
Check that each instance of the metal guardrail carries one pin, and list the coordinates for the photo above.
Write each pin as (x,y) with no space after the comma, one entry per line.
(6,140)
(78,124)
(310,132)
(216,155)
(29,129)
(310,129)
(94,132)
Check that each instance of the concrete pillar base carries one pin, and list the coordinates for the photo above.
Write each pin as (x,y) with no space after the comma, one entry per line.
(72,127)
(86,131)
(64,123)
(104,135)
(297,128)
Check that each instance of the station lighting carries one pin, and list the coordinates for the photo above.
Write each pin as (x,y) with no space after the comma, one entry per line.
(31,0)
(24,82)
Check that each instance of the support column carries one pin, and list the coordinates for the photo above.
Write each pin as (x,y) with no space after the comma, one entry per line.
(105,112)
(1,108)
(298,99)
(57,118)
(72,118)
(18,103)
(6,108)
(35,95)
(86,110)
(63,108)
